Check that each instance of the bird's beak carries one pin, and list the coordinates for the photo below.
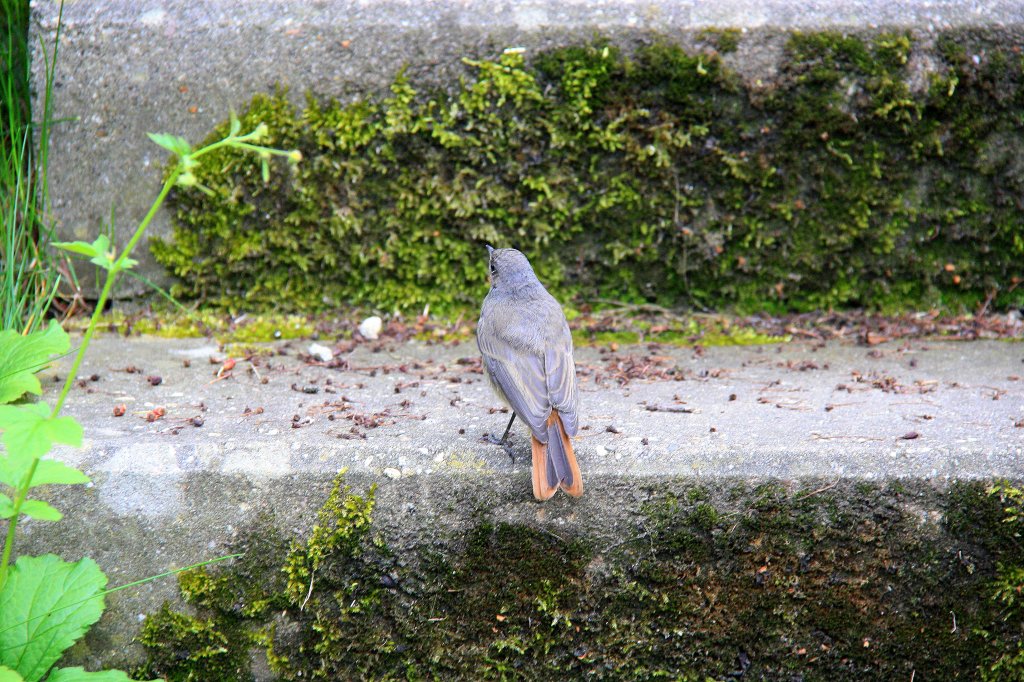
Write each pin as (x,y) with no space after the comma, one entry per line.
(490,249)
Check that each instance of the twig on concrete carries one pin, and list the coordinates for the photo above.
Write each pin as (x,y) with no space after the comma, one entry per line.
(308,594)
(624,542)
(555,536)
(832,406)
(671,408)
(818,436)
(820,490)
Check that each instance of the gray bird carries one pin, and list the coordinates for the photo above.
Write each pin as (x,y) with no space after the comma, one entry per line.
(527,354)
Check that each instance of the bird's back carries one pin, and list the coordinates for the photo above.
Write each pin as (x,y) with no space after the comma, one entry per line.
(526,332)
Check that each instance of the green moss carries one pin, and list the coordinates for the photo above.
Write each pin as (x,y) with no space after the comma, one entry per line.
(706,331)
(654,176)
(177,325)
(189,649)
(838,582)
(1007,655)
(726,41)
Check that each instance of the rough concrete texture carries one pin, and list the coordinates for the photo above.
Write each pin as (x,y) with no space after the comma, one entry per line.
(127,67)
(275,430)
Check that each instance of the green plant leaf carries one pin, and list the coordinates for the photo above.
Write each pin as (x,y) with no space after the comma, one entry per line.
(8,675)
(48,472)
(100,252)
(45,606)
(103,255)
(30,431)
(172,143)
(13,468)
(51,472)
(37,509)
(127,263)
(78,674)
(22,356)
(6,507)
(81,248)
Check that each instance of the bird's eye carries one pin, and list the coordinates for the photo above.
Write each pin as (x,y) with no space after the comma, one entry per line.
(494,270)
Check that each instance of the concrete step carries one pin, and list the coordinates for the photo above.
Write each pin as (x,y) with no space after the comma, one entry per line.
(267,438)
(179,66)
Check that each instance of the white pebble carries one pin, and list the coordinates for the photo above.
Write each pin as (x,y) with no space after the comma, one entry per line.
(370,327)
(392,473)
(321,353)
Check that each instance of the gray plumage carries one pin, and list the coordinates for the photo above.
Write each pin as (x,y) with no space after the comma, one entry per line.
(526,346)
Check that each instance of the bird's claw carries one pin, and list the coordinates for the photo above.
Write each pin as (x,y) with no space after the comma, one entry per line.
(504,444)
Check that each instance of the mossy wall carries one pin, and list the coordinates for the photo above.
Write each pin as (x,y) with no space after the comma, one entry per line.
(872,172)
(838,581)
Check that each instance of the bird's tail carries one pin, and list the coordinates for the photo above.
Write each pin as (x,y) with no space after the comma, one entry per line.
(554,463)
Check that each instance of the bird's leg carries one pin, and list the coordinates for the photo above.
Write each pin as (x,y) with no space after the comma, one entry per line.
(508,428)
(502,442)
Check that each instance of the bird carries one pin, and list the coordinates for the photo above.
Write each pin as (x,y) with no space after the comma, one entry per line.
(526,347)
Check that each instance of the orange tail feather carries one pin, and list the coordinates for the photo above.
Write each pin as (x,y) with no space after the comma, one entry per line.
(545,481)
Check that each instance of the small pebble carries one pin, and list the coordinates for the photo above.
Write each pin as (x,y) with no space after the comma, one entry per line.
(321,352)
(392,473)
(370,327)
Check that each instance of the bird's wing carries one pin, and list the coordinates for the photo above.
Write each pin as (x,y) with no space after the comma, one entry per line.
(560,375)
(520,374)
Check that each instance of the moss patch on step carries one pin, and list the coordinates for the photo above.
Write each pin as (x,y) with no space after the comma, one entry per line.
(840,581)
(858,178)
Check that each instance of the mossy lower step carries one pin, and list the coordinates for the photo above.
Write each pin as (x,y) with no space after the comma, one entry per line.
(834,580)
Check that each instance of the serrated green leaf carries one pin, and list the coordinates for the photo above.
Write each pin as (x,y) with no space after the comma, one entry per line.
(29,431)
(22,356)
(101,244)
(82,248)
(8,675)
(172,143)
(104,254)
(37,509)
(99,252)
(45,606)
(80,675)
(13,468)
(103,261)
(52,472)
(6,507)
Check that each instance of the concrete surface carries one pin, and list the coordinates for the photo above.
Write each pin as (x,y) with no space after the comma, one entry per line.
(409,417)
(128,67)
(395,410)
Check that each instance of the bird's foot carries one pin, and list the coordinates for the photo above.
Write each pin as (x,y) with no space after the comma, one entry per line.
(504,444)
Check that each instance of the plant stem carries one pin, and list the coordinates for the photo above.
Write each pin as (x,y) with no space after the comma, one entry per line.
(108,286)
